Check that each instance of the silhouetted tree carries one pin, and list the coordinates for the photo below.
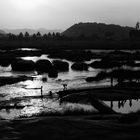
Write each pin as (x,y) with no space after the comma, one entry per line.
(26,35)
(49,36)
(34,37)
(137,26)
(20,36)
(38,34)
(11,36)
(45,37)
(58,36)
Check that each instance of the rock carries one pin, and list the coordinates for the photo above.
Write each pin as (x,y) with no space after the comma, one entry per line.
(100,76)
(11,80)
(6,60)
(61,66)
(90,79)
(43,66)
(75,56)
(80,66)
(23,65)
(106,64)
(44,79)
(53,73)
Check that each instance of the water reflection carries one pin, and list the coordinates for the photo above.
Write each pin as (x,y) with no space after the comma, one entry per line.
(124,106)
(73,79)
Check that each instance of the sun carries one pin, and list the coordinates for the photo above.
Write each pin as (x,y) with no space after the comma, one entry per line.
(27,4)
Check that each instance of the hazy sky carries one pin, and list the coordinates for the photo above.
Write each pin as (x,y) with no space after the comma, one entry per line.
(60,14)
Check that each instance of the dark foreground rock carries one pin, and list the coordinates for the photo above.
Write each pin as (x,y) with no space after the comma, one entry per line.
(75,56)
(61,66)
(13,80)
(100,76)
(53,73)
(23,65)
(80,66)
(43,66)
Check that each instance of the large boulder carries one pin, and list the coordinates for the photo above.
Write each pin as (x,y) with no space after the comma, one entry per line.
(43,66)
(106,64)
(23,65)
(13,79)
(6,59)
(100,76)
(53,73)
(61,66)
(80,66)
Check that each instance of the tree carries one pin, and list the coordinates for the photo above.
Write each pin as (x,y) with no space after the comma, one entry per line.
(20,36)
(38,34)
(49,36)
(137,26)
(34,37)
(58,35)
(45,37)
(26,35)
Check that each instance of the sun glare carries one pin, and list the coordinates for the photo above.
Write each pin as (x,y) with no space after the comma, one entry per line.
(27,4)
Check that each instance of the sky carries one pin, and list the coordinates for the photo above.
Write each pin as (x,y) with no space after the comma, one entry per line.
(61,14)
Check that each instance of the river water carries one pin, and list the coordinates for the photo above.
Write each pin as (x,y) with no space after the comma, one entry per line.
(36,106)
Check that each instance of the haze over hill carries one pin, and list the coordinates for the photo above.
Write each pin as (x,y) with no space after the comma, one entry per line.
(31,31)
(2,32)
(100,30)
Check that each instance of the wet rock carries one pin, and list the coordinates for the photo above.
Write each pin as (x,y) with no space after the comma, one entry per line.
(44,79)
(105,64)
(90,79)
(75,56)
(53,73)
(6,60)
(80,66)
(100,76)
(43,66)
(12,80)
(23,65)
(61,66)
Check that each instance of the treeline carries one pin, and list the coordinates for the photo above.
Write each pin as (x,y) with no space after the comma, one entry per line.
(36,36)
(50,36)
(135,34)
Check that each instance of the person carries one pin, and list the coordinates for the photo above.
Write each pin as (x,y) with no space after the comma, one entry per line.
(41,91)
(50,93)
(65,86)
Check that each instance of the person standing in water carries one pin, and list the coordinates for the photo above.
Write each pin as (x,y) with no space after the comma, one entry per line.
(64,86)
(41,91)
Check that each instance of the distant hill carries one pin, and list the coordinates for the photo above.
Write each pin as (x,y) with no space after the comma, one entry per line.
(2,33)
(31,31)
(99,30)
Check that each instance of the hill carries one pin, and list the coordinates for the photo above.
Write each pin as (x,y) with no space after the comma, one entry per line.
(2,33)
(98,30)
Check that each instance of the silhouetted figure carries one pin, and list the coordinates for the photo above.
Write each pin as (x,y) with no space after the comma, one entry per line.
(111,81)
(111,104)
(119,104)
(122,103)
(65,86)
(130,103)
(50,93)
(41,89)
